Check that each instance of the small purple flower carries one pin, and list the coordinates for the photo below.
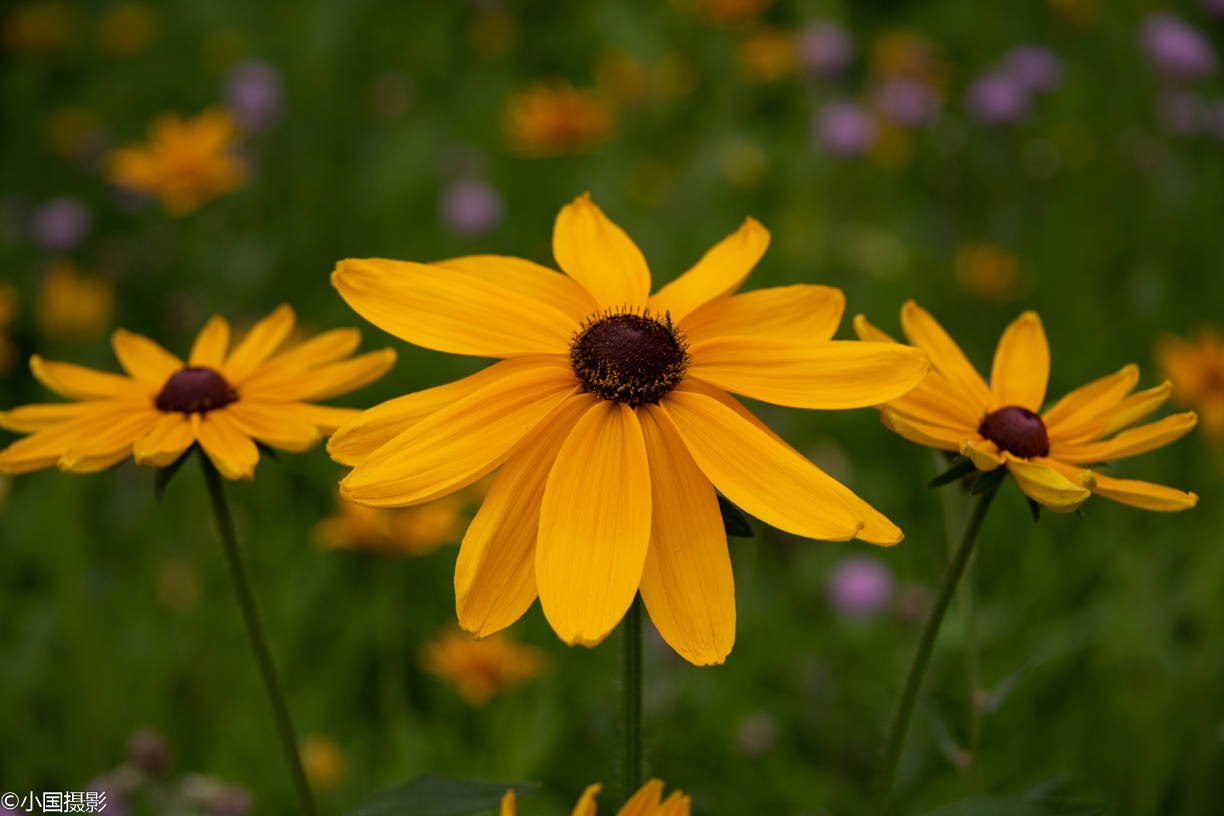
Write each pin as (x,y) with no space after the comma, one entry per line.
(1213,7)
(255,95)
(471,207)
(844,128)
(860,586)
(1038,69)
(997,99)
(824,49)
(906,102)
(60,224)
(1174,47)
(1180,111)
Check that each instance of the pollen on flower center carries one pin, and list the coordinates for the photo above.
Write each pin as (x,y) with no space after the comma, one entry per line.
(628,357)
(1016,430)
(195,391)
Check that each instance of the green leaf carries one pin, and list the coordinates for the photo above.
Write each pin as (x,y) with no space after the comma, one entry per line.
(961,467)
(433,795)
(733,520)
(1016,806)
(990,480)
(1035,509)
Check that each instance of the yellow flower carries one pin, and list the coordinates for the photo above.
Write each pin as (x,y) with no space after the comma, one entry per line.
(556,117)
(43,26)
(8,311)
(1196,369)
(998,424)
(610,417)
(409,531)
(74,306)
(225,403)
(988,271)
(127,29)
(323,762)
(908,54)
(767,56)
(479,669)
(646,802)
(185,163)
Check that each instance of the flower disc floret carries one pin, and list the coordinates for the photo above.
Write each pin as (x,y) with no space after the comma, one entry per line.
(629,357)
(195,390)
(1016,430)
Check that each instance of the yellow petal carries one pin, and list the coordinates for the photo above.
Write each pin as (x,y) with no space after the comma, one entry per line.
(31,418)
(456,445)
(1144,495)
(324,417)
(263,339)
(318,350)
(1080,412)
(1135,407)
(586,803)
(1130,442)
(495,570)
(645,801)
(677,804)
(372,428)
(1046,486)
(107,445)
(44,448)
(210,345)
(78,382)
(165,441)
(1021,367)
(507,804)
(984,454)
(230,450)
(277,425)
(866,331)
(599,255)
(322,382)
(799,314)
(562,293)
(946,356)
(832,375)
(452,311)
(144,359)
(933,436)
(719,272)
(594,525)
(687,583)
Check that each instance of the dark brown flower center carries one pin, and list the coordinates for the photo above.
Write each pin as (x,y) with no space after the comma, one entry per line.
(1016,430)
(195,391)
(630,358)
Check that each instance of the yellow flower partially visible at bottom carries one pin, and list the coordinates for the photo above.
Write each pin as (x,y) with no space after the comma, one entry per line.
(1196,369)
(1050,454)
(323,762)
(73,306)
(224,402)
(480,669)
(404,531)
(648,801)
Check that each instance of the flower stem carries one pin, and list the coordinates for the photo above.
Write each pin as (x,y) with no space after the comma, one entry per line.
(930,631)
(250,616)
(631,663)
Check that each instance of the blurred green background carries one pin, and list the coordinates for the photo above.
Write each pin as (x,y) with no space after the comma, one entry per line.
(1092,194)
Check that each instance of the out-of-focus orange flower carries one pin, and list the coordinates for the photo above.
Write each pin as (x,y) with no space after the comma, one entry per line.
(415,530)
(480,669)
(127,29)
(908,54)
(767,56)
(323,762)
(555,117)
(74,306)
(621,77)
(1196,369)
(988,271)
(185,162)
(8,312)
(728,12)
(40,27)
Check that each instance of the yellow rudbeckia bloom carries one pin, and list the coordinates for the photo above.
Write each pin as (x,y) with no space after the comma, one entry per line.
(646,802)
(224,402)
(999,424)
(480,669)
(609,416)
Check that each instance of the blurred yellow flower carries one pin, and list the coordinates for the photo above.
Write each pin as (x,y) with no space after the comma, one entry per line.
(555,117)
(8,311)
(185,163)
(72,306)
(222,402)
(42,26)
(480,669)
(908,54)
(1048,454)
(728,12)
(1196,369)
(988,271)
(127,29)
(323,762)
(648,801)
(767,56)
(621,77)
(406,531)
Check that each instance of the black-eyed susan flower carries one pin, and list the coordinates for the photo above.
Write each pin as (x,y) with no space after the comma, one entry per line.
(610,419)
(226,400)
(185,163)
(549,118)
(480,669)
(409,531)
(1196,369)
(648,801)
(1049,453)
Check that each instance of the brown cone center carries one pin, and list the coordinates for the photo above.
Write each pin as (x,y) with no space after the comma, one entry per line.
(630,358)
(1016,430)
(195,391)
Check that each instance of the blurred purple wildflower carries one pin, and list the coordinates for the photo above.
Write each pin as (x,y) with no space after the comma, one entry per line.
(1213,7)
(471,207)
(1174,47)
(907,102)
(255,95)
(824,49)
(844,128)
(1038,69)
(60,224)
(860,586)
(997,99)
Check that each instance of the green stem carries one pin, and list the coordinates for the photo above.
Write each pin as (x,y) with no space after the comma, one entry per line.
(631,663)
(930,631)
(973,725)
(259,644)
